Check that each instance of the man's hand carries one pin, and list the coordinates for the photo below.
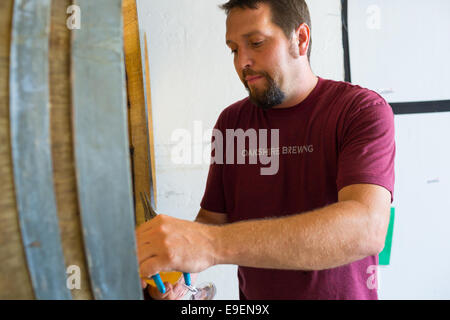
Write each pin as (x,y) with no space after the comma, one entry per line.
(169,244)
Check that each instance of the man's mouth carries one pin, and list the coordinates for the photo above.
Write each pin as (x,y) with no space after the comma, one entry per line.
(252,79)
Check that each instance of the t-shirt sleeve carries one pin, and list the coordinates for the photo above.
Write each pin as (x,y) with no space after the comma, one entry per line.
(367,148)
(214,196)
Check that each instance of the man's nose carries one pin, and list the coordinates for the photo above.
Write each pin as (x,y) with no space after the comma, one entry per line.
(244,60)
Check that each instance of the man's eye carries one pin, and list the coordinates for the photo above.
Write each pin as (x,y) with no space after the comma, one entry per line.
(257,44)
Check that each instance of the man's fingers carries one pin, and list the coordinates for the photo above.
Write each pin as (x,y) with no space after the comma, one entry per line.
(169,287)
(179,289)
(155,294)
(174,293)
(146,235)
(148,246)
(169,295)
(145,252)
(147,226)
(150,267)
(144,227)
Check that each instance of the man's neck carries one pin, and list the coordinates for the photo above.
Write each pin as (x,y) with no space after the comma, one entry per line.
(307,85)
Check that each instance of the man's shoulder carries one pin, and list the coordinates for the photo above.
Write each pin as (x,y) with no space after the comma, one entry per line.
(352,94)
(354,105)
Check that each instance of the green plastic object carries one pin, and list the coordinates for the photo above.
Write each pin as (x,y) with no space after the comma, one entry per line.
(385,255)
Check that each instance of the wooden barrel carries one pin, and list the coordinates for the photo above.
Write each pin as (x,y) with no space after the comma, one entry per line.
(68,182)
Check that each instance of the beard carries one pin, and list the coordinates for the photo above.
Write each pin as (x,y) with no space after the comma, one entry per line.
(268,97)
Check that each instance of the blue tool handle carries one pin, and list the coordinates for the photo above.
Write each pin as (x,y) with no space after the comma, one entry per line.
(159,283)
(187,279)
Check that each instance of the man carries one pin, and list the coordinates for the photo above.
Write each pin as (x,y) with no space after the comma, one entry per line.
(313,228)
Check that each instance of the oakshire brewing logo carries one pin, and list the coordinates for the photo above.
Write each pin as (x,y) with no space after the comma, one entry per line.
(258,150)
(276,151)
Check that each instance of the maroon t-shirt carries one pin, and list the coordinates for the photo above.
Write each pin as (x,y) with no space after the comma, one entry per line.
(340,135)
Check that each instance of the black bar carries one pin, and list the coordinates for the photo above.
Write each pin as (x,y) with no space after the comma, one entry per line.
(345,41)
(223,309)
(421,107)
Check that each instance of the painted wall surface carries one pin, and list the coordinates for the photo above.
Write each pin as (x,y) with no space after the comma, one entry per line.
(420,259)
(384,50)
(385,56)
(192,81)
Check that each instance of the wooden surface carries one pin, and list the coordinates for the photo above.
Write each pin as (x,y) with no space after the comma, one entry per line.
(139,139)
(102,152)
(15,282)
(62,149)
(31,151)
(148,96)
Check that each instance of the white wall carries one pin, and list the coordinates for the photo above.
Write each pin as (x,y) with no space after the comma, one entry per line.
(193,80)
(420,254)
(398,47)
(385,51)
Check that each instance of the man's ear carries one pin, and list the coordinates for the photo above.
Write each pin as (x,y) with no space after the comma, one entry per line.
(302,38)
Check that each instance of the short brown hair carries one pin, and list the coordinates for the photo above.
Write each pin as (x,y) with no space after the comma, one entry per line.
(287,14)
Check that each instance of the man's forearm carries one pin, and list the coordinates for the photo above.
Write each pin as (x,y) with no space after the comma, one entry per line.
(325,238)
